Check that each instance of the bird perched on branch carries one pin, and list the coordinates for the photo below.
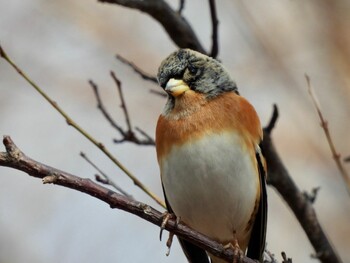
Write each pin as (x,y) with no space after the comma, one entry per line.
(212,169)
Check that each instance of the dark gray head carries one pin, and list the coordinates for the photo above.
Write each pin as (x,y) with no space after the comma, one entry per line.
(201,73)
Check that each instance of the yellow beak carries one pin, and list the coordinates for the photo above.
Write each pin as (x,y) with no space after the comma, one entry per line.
(176,87)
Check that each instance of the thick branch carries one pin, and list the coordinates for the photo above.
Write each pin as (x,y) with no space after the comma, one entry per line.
(16,159)
(279,178)
(174,24)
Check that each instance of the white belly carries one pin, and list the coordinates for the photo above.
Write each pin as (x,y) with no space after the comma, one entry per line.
(211,185)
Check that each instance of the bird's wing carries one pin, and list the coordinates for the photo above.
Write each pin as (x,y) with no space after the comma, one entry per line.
(193,253)
(256,244)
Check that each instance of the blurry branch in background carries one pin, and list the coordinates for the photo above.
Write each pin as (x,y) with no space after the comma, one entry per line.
(177,27)
(139,71)
(128,135)
(181,6)
(347,159)
(105,178)
(301,206)
(215,24)
(15,158)
(69,121)
(324,125)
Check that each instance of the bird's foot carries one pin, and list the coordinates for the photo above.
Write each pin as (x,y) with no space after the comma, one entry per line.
(166,216)
(238,254)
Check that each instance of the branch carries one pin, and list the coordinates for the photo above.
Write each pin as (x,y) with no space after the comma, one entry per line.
(302,208)
(139,71)
(105,178)
(324,125)
(15,158)
(181,6)
(174,24)
(70,121)
(127,135)
(215,23)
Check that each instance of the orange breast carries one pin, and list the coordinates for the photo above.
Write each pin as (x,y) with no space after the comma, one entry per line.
(193,117)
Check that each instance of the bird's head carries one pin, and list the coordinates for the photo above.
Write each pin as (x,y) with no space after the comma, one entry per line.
(186,69)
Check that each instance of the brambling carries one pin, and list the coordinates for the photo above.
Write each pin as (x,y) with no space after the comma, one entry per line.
(212,169)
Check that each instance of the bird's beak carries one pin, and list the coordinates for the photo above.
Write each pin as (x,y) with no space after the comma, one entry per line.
(176,87)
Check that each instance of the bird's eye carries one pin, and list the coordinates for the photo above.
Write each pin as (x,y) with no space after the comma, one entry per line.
(192,69)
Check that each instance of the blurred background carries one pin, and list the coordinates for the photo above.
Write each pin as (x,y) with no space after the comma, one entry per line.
(267,46)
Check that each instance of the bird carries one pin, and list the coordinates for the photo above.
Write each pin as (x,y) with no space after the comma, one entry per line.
(212,169)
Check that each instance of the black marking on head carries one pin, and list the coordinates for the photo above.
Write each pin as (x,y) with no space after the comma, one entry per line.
(202,73)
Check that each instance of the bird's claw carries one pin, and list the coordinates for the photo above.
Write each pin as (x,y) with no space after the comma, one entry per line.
(238,254)
(166,216)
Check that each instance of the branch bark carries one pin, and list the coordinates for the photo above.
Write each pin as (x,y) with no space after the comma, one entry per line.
(15,158)
(174,24)
(301,206)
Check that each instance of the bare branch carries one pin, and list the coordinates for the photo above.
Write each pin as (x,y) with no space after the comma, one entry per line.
(121,96)
(215,23)
(324,125)
(303,210)
(105,178)
(159,93)
(15,158)
(174,24)
(311,197)
(103,109)
(285,258)
(181,6)
(139,71)
(70,121)
(128,135)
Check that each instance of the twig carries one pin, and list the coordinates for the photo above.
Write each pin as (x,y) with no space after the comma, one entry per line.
(159,93)
(272,258)
(313,195)
(148,138)
(123,105)
(70,121)
(102,108)
(215,23)
(324,125)
(181,6)
(303,210)
(139,71)
(177,27)
(15,158)
(105,180)
(347,159)
(285,258)
(128,135)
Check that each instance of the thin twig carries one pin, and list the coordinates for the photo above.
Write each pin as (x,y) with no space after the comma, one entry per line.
(71,122)
(106,180)
(128,135)
(313,195)
(15,158)
(215,23)
(148,138)
(121,96)
(159,93)
(285,258)
(181,6)
(103,109)
(139,71)
(324,125)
